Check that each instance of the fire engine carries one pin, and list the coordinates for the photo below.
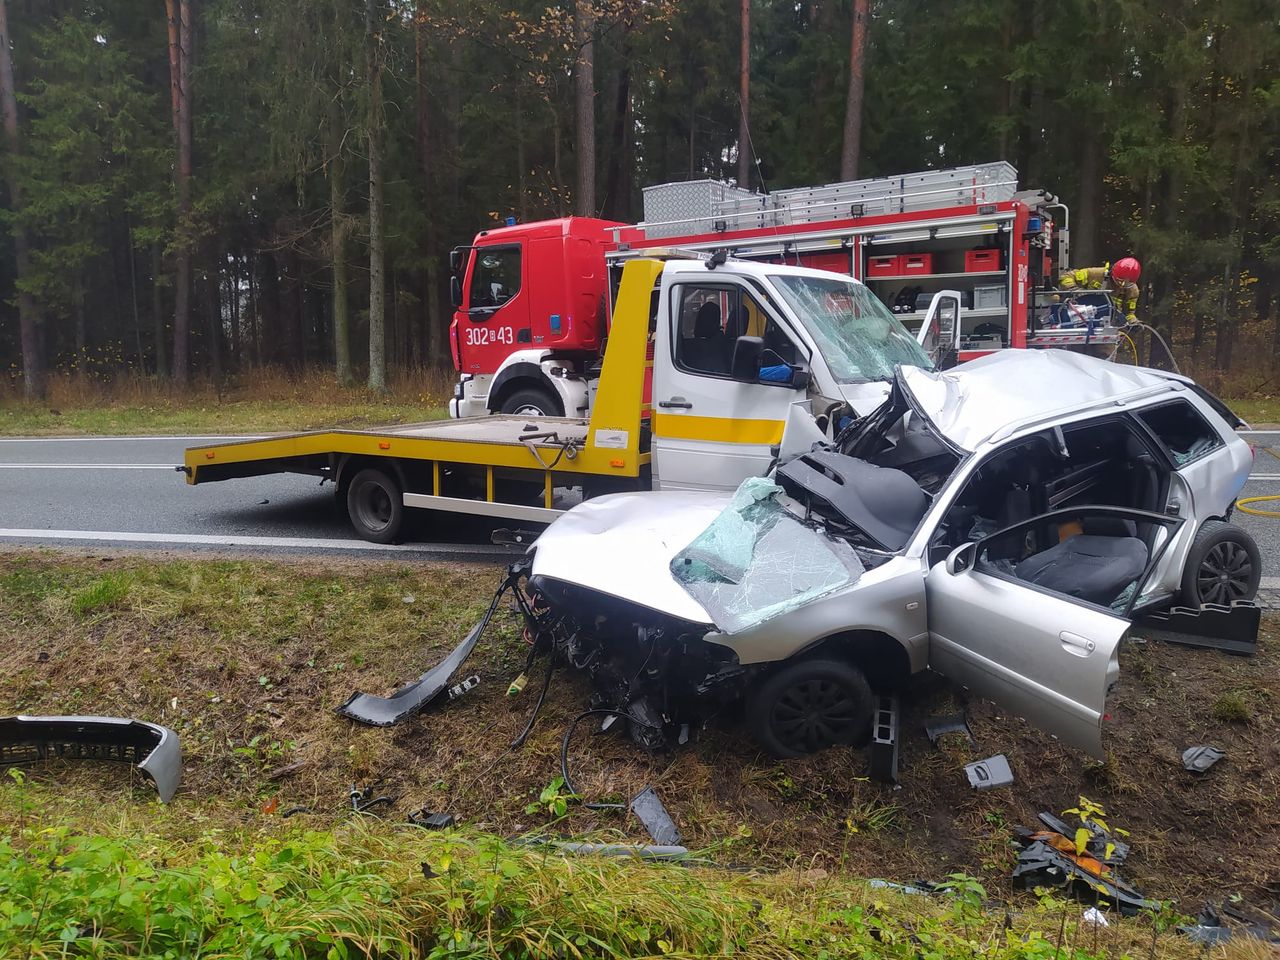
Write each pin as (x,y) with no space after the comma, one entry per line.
(532,300)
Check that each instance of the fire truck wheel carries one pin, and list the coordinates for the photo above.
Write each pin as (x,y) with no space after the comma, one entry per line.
(532,402)
(375,505)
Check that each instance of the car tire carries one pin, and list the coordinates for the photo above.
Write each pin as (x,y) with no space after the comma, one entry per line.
(809,705)
(532,402)
(375,504)
(1223,565)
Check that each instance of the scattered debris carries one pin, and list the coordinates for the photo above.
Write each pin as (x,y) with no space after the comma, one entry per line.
(937,727)
(1201,758)
(1050,858)
(1212,626)
(917,888)
(1211,926)
(458,689)
(294,811)
(883,749)
(413,696)
(641,851)
(153,748)
(362,799)
(431,821)
(1095,917)
(655,818)
(989,773)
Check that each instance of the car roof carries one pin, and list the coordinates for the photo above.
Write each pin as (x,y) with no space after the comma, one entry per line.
(1002,392)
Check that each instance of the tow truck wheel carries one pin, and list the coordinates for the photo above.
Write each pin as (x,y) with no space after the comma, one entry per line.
(1223,565)
(375,504)
(811,705)
(532,402)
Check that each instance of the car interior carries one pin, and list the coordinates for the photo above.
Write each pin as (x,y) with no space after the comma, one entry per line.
(1095,557)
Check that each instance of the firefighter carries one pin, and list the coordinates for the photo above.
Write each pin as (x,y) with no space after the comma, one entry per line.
(1122,277)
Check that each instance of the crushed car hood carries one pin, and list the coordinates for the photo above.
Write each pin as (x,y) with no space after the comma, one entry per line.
(970,403)
(622,545)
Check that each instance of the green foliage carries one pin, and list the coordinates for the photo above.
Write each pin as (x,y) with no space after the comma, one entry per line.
(1232,707)
(553,800)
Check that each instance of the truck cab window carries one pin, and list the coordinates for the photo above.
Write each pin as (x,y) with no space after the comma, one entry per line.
(709,321)
(495,278)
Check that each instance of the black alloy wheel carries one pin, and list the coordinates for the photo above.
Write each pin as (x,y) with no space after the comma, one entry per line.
(810,705)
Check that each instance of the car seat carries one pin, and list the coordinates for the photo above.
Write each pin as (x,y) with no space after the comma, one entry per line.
(706,351)
(1091,567)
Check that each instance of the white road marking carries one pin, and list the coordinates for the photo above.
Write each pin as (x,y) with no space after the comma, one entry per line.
(120,439)
(234,540)
(1263,476)
(171,467)
(1260,433)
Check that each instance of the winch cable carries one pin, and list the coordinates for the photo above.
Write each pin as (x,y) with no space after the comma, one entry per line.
(568,736)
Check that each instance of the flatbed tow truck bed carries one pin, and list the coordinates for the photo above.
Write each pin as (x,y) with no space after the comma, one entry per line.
(514,467)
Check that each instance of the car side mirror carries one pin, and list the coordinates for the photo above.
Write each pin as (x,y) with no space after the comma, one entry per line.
(455,291)
(746,359)
(961,558)
(799,377)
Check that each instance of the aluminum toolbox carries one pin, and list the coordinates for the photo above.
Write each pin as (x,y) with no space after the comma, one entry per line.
(694,206)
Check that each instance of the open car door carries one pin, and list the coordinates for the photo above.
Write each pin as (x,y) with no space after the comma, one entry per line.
(940,333)
(1032,616)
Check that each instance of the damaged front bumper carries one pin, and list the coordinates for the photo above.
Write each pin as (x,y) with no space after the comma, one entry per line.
(152,748)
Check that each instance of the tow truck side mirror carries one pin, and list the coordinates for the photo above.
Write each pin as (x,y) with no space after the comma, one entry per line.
(961,558)
(746,359)
(799,377)
(455,291)
(455,261)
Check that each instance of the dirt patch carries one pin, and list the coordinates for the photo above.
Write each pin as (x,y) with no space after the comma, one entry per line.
(246,660)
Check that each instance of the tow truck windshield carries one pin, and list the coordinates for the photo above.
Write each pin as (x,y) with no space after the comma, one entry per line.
(859,338)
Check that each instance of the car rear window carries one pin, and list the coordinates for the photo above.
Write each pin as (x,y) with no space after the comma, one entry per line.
(1186,434)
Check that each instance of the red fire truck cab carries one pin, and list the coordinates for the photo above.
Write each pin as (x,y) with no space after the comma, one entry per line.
(532,299)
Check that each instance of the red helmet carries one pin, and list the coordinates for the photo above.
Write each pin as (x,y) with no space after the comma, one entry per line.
(1127,270)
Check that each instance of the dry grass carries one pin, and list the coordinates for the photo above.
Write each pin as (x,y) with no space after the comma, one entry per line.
(246,660)
(264,400)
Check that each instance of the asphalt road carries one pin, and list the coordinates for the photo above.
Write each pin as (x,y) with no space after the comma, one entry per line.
(123,491)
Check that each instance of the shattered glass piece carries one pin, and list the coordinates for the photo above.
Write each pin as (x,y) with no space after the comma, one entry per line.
(1122,601)
(726,547)
(756,561)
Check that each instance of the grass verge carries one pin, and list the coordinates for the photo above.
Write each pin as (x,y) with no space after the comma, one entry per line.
(246,660)
(263,401)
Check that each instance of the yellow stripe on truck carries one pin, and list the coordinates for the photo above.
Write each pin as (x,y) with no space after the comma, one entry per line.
(717,429)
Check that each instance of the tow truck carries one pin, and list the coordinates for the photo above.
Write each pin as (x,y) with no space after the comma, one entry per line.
(746,361)
(532,299)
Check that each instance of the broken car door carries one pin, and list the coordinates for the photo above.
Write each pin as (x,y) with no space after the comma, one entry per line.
(1032,616)
(725,375)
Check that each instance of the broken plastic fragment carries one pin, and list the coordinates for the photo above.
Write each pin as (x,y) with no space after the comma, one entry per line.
(1201,758)
(989,773)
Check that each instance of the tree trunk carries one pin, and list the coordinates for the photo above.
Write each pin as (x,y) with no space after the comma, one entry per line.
(338,251)
(233,298)
(213,307)
(435,348)
(33,383)
(159,335)
(622,138)
(182,272)
(744,98)
(377,299)
(584,199)
(857,82)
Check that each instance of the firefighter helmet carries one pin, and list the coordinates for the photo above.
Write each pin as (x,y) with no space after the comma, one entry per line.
(1127,270)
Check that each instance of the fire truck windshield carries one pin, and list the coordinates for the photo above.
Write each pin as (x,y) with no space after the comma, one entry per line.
(858,336)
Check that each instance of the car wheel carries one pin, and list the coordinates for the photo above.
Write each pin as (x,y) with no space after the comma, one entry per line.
(532,402)
(1223,565)
(810,705)
(375,504)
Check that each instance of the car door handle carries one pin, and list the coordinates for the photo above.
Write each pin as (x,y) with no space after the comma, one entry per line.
(678,403)
(1075,644)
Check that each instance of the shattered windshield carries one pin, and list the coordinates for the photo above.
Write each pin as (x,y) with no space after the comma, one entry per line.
(858,336)
(756,561)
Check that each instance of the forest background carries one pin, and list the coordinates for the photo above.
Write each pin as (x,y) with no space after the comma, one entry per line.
(207,194)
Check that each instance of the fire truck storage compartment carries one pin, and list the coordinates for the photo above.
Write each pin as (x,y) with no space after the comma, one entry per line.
(884,266)
(916,264)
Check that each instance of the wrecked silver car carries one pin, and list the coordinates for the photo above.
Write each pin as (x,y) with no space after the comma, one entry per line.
(1000,523)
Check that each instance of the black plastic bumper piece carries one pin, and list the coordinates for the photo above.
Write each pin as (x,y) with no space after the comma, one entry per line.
(883,749)
(412,697)
(153,749)
(1212,626)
